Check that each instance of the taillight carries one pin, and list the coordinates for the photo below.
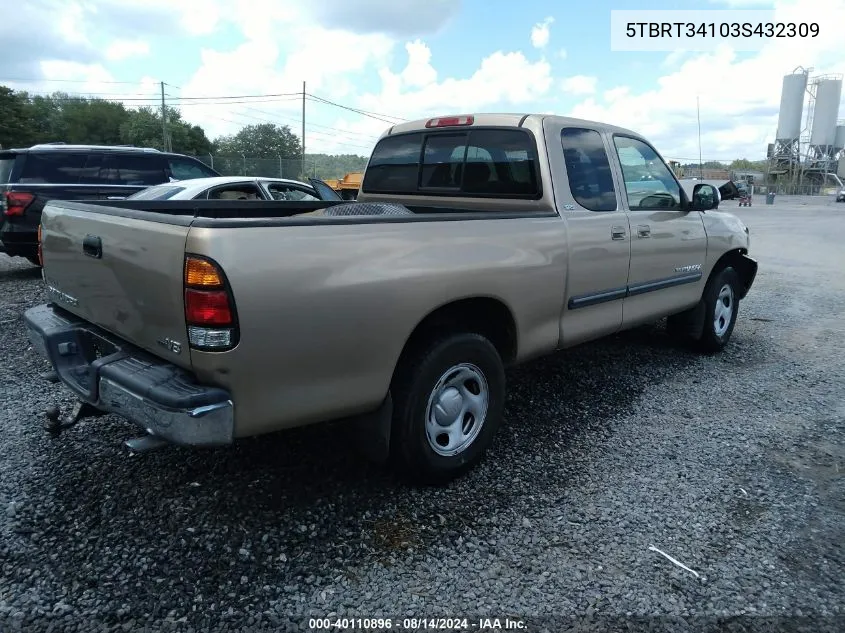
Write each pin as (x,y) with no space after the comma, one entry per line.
(17,202)
(449,121)
(209,306)
(40,256)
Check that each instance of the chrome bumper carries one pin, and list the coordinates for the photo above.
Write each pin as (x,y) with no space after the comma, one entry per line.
(116,377)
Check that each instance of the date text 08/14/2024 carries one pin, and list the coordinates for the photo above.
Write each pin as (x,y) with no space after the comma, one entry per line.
(416,624)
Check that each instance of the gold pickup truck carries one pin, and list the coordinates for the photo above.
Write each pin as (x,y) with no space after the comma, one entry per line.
(477,242)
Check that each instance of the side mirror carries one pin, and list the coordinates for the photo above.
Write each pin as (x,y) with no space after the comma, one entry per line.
(705,198)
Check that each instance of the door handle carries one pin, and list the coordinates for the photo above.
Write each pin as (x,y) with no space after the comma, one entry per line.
(116,198)
(643,230)
(617,232)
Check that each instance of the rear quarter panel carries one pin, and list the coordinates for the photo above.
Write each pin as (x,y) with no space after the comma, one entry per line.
(325,311)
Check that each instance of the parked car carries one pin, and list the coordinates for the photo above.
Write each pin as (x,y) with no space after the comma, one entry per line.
(840,195)
(239,188)
(477,242)
(30,177)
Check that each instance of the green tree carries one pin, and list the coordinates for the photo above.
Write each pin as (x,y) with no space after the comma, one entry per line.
(143,128)
(14,118)
(265,140)
(742,164)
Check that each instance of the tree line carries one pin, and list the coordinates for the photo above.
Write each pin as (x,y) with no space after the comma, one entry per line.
(31,119)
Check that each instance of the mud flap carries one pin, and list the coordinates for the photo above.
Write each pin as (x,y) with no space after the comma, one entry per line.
(372,431)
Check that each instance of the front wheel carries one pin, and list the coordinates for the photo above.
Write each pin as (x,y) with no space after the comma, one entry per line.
(448,402)
(721,307)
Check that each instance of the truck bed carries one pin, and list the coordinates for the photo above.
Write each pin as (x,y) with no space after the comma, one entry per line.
(314,293)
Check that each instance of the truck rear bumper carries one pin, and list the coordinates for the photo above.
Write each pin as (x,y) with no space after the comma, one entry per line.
(116,377)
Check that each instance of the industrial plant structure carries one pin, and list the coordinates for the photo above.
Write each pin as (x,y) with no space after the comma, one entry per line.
(809,147)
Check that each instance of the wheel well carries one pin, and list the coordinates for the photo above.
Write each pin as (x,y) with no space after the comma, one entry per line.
(745,268)
(482,315)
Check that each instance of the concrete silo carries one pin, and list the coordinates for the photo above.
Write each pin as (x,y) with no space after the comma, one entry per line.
(825,113)
(839,138)
(791,106)
(785,154)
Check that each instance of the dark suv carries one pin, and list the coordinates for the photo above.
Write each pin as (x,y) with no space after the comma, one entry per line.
(32,176)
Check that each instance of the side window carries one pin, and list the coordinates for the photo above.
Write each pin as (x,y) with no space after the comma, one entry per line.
(648,182)
(394,165)
(443,159)
(588,169)
(280,191)
(243,191)
(137,169)
(53,167)
(186,169)
(90,174)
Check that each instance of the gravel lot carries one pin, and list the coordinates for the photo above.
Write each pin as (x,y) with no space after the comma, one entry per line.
(730,464)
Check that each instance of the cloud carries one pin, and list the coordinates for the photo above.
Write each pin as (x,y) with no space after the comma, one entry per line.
(579,85)
(502,79)
(28,38)
(123,49)
(540,33)
(563,53)
(739,94)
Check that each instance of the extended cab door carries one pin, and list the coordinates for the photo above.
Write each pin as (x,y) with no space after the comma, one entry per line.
(668,241)
(597,232)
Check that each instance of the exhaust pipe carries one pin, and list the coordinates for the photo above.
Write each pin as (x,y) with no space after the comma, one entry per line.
(145,444)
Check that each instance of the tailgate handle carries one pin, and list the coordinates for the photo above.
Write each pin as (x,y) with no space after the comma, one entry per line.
(92,246)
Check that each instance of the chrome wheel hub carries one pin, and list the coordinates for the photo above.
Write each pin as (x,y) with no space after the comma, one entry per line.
(724,310)
(457,407)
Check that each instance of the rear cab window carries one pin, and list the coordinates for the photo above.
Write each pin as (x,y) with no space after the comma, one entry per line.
(482,162)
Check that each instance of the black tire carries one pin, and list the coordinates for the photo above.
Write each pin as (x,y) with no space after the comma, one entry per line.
(418,373)
(714,339)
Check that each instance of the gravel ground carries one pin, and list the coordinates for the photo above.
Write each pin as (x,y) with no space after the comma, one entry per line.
(730,464)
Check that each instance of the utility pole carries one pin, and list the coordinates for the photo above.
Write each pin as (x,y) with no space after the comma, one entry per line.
(698,115)
(163,120)
(303,129)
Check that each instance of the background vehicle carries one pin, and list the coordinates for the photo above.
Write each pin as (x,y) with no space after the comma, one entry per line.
(239,188)
(477,242)
(347,186)
(30,177)
(840,196)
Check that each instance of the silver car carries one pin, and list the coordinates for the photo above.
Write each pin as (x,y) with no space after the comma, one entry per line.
(239,188)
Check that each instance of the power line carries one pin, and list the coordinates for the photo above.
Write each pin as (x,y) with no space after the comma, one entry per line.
(373,115)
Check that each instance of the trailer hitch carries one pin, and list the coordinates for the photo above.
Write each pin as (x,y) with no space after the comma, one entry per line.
(56,424)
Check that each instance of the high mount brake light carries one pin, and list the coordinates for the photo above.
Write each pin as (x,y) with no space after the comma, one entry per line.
(450,121)
(209,306)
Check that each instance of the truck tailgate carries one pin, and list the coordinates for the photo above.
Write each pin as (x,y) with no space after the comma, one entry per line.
(122,272)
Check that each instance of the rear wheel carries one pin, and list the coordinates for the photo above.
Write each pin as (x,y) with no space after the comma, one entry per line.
(448,402)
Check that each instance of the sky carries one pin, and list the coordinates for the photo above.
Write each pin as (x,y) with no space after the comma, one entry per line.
(412,59)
